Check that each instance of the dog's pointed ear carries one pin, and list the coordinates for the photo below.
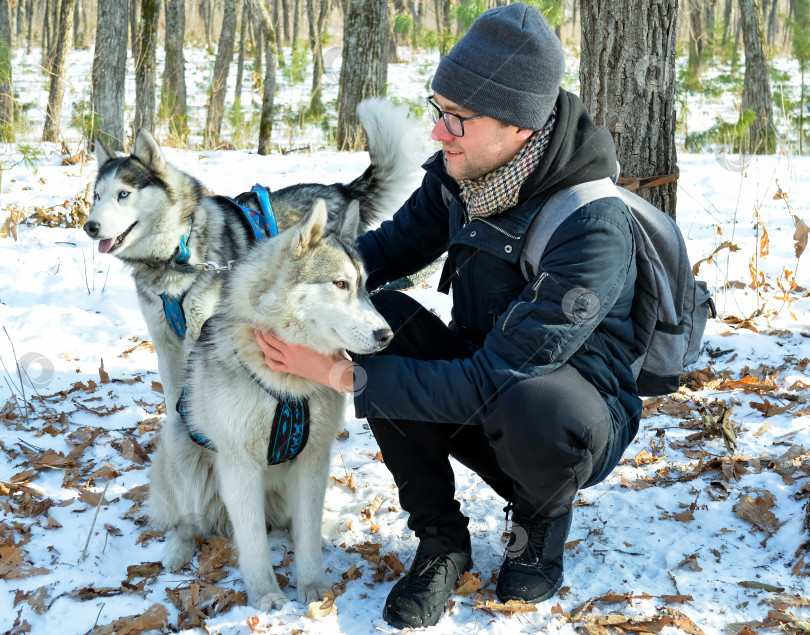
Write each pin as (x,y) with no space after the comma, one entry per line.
(103,153)
(310,229)
(350,227)
(148,152)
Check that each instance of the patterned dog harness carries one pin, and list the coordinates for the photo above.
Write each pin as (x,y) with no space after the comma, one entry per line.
(262,224)
(288,435)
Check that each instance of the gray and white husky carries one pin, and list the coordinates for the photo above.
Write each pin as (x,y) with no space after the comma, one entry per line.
(307,286)
(145,210)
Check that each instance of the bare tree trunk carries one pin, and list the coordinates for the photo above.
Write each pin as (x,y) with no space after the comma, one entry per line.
(109,71)
(268,95)
(259,26)
(46,37)
(316,27)
(756,95)
(219,82)
(145,67)
(53,112)
(772,22)
(19,16)
(240,63)
(627,73)
(727,20)
(285,16)
(77,9)
(278,31)
(29,15)
(696,37)
(364,70)
(173,87)
(296,12)
(6,87)
(134,19)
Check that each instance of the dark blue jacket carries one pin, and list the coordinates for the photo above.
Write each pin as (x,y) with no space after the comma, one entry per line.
(516,329)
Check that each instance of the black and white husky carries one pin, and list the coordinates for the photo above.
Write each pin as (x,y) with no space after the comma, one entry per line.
(253,441)
(157,219)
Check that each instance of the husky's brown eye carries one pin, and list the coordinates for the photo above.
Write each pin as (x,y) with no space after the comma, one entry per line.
(341,284)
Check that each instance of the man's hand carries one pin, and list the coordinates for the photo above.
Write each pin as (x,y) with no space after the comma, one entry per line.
(335,371)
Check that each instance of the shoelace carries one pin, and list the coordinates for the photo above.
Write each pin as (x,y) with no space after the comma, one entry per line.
(425,575)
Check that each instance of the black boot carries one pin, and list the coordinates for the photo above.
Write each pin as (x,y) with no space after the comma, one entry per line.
(419,598)
(533,568)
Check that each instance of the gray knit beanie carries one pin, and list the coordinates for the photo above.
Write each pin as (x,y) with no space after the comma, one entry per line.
(508,66)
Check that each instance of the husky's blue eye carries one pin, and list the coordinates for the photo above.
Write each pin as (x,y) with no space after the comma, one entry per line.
(122,194)
(341,284)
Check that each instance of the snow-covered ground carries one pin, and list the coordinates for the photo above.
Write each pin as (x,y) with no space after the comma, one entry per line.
(684,535)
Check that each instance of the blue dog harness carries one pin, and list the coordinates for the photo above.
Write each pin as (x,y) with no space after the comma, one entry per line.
(263,225)
(288,434)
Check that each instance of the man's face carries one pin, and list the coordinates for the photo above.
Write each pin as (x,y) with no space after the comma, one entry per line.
(487,144)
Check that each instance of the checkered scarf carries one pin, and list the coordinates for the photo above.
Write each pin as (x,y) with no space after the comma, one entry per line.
(494,192)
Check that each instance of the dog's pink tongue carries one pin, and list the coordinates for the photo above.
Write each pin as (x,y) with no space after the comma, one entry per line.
(105,245)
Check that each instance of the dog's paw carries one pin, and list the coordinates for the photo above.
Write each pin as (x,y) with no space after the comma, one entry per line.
(271,601)
(178,552)
(312,592)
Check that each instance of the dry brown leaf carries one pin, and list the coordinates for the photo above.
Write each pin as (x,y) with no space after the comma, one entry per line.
(103,376)
(138,494)
(144,570)
(691,562)
(510,607)
(91,498)
(800,236)
(468,584)
(155,617)
(765,427)
(318,610)
(757,511)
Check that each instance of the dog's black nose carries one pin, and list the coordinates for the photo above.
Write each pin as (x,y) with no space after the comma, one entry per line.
(383,337)
(91,228)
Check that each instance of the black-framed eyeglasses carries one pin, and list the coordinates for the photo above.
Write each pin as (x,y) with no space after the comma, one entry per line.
(454,123)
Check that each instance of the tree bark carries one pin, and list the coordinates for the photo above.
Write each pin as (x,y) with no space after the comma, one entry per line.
(6,87)
(219,82)
(364,69)
(727,20)
(316,27)
(756,95)
(53,112)
(145,63)
(173,87)
(296,12)
(46,37)
(627,74)
(240,63)
(109,69)
(29,15)
(772,22)
(134,13)
(696,37)
(268,94)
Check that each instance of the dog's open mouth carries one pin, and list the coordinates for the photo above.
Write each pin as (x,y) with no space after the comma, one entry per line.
(110,244)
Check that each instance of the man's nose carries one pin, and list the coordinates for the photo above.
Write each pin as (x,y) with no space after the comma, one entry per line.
(440,132)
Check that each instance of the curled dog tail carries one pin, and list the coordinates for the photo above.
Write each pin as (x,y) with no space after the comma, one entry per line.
(397,146)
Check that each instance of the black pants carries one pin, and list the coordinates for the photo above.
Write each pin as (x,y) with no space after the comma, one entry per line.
(542,442)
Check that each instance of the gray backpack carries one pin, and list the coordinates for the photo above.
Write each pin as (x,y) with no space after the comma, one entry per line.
(670,308)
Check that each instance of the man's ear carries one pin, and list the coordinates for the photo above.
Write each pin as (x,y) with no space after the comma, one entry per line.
(524,133)
(310,229)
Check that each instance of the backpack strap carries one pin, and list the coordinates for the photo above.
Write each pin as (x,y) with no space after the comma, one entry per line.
(552,214)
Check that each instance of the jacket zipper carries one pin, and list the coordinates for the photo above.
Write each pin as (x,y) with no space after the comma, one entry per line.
(495,227)
(535,288)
